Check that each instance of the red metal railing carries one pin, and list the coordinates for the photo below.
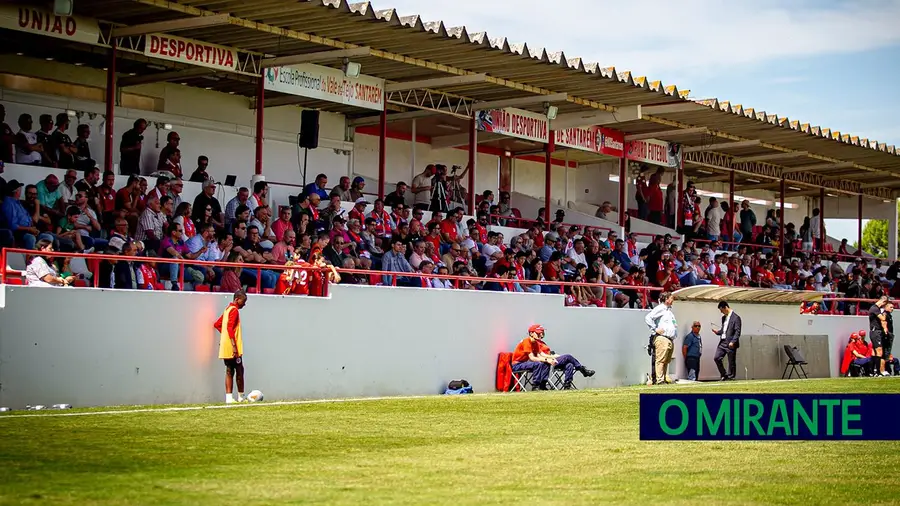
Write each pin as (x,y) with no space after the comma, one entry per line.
(824,254)
(93,260)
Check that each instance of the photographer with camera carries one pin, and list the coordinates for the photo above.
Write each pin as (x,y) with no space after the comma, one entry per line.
(445,188)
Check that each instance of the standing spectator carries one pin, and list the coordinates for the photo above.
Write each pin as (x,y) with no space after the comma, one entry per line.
(657,202)
(815,230)
(7,140)
(642,194)
(28,150)
(43,137)
(662,324)
(173,163)
(130,148)
(748,222)
(692,349)
(714,217)
(421,188)
(61,147)
(83,160)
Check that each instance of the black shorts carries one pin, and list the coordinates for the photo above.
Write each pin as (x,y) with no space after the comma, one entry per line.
(887,344)
(233,363)
(876,339)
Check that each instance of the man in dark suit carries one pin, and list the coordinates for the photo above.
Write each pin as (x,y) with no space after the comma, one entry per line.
(730,341)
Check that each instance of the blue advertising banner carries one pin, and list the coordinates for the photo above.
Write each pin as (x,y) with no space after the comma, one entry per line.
(777,417)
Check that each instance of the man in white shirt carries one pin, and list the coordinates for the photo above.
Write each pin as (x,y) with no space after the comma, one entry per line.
(421,188)
(662,325)
(577,253)
(714,219)
(491,250)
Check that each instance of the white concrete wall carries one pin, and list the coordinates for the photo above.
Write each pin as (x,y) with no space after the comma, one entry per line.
(342,346)
(217,125)
(761,320)
(295,347)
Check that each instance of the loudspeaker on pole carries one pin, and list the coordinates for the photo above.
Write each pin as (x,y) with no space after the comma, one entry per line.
(309,129)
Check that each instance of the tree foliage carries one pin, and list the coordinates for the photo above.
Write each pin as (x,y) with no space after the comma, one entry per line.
(875,237)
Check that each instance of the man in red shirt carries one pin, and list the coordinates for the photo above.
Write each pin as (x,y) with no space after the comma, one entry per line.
(657,202)
(528,357)
(231,346)
(532,354)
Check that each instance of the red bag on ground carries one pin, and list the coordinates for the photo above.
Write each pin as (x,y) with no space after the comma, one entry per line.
(504,371)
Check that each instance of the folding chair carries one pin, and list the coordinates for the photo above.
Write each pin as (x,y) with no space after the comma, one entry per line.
(558,379)
(520,381)
(795,360)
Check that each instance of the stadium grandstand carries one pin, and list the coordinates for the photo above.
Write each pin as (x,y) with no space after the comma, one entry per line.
(201,147)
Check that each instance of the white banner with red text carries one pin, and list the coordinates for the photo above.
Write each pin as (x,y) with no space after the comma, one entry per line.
(595,139)
(517,123)
(653,151)
(43,22)
(191,52)
(326,83)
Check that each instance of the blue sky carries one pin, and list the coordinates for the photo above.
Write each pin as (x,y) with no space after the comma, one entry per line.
(830,63)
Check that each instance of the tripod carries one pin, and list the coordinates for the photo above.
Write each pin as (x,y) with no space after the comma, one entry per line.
(455,190)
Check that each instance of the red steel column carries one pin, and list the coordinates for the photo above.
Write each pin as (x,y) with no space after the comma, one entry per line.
(110,105)
(623,190)
(260,101)
(822,218)
(548,177)
(859,227)
(732,204)
(382,150)
(473,150)
(780,225)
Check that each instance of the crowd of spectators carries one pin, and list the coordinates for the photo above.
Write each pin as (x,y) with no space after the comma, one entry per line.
(87,213)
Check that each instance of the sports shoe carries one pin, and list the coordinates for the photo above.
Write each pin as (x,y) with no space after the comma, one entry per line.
(229,400)
(885,373)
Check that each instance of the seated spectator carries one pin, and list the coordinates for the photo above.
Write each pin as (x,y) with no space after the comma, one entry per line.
(262,220)
(356,189)
(41,273)
(125,270)
(231,281)
(152,223)
(531,354)
(203,248)
(342,190)
(444,283)
(173,246)
(18,220)
(231,208)
(395,261)
(317,187)
(200,175)
(857,354)
(182,216)
(284,248)
(66,230)
(396,197)
(283,223)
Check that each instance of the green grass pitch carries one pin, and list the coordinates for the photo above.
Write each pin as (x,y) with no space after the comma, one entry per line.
(535,448)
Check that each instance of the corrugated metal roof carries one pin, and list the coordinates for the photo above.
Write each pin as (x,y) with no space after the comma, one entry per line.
(408,48)
(713,293)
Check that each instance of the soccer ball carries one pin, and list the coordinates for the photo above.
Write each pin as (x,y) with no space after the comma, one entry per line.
(255,396)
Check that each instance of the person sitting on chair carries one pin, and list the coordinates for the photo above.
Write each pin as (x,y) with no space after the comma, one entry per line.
(856,354)
(567,363)
(528,357)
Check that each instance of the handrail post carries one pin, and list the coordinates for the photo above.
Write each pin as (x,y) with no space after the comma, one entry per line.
(325,282)
(96,271)
(3,259)
(181,269)
(258,280)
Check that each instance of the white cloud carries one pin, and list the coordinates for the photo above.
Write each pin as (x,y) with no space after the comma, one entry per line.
(673,40)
